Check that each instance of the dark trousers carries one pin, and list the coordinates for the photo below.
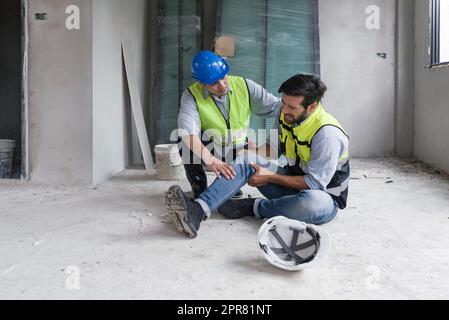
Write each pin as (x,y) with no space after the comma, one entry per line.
(195,171)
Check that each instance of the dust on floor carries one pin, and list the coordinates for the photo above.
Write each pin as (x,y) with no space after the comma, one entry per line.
(115,242)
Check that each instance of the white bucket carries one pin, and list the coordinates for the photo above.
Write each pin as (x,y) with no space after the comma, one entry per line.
(7,145)
(169,165)
(6,158)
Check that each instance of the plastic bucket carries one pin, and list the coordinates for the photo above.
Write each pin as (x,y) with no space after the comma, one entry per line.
(6,157)
(169,165)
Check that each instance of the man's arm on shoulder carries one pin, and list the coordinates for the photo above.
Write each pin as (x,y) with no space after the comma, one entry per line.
(263,103)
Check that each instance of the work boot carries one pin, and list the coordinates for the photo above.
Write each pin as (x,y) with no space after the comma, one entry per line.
(185,213)
(238,195)
(238,209)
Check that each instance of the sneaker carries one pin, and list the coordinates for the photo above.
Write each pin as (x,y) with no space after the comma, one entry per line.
(238,209)
(185,213)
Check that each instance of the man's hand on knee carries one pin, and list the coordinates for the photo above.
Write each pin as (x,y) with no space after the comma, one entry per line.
(221,168)
(261,178)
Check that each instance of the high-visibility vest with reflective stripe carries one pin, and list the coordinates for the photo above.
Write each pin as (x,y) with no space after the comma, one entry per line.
(296,146)
(223,131)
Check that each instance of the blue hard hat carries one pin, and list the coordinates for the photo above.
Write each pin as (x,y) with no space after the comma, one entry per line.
(209,68)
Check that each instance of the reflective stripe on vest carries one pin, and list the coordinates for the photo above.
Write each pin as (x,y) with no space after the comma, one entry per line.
(337,191)
(296,145)
(214,123)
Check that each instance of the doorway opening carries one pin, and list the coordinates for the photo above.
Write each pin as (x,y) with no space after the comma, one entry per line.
(11,88)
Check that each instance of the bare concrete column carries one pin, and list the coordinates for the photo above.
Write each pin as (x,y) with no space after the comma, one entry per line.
(405,78)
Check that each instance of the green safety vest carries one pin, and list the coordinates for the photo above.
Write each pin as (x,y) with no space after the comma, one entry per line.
(296,146)
(222,131)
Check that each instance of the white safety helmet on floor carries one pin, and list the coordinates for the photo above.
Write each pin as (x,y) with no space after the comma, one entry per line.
(292,245)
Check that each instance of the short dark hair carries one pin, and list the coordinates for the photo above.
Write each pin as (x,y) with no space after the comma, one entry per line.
(308,86)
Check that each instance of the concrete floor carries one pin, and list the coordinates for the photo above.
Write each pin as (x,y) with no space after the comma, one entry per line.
(391,243)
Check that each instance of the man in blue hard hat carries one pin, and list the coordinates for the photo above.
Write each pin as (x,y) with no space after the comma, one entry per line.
(215,116)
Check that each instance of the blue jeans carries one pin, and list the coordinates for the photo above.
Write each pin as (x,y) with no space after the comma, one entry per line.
(309,206)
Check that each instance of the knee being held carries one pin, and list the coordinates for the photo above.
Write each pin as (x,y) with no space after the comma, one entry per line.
(244,169)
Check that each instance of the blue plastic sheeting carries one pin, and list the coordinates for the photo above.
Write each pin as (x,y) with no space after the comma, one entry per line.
(275,39)
(179,28)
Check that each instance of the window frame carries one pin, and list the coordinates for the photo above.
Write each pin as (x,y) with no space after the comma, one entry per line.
(435,36)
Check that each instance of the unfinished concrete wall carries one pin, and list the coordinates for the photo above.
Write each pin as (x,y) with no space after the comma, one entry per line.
(431,97)
(405,78)
(60,93)
(113,21)
(361,84)
(11,73)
